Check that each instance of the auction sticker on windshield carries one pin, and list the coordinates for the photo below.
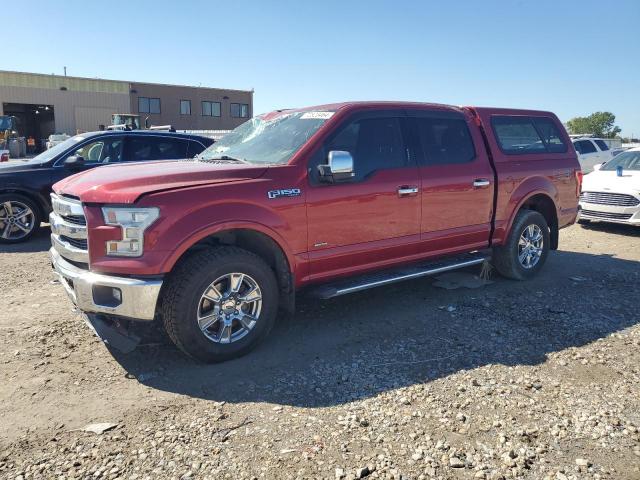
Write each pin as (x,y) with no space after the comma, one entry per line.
(317,115)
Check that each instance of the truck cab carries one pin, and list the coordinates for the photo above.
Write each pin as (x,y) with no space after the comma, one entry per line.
(331,199)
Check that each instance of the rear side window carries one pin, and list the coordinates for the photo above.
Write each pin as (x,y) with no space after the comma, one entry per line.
(523,135)
(585,146)
(550,135)
(603,146)
(445,140)
(374,144)
(144,148)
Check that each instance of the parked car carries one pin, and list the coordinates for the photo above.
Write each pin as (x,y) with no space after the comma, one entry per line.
(25,186)
(591,151)
(618,151)
(334,199)
(612,192)
(56,139)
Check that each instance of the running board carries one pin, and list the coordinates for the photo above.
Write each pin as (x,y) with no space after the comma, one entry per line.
(387,277)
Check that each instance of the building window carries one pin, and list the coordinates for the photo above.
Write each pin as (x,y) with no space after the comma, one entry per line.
(239,110)
(210,109)
(185,107)
(148,105)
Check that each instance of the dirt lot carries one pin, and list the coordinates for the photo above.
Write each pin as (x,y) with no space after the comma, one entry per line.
(531,380)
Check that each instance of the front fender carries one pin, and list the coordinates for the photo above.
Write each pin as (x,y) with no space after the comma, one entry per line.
(224,226)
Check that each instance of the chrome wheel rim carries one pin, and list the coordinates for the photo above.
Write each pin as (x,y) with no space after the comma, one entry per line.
(530,246)
(16,220)
(229,308)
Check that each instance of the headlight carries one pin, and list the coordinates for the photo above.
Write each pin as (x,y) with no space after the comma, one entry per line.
(133,221)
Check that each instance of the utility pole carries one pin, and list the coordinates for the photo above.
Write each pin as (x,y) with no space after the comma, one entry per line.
(65,71)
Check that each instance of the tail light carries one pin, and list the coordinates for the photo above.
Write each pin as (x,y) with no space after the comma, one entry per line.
(4,157)
(579,176)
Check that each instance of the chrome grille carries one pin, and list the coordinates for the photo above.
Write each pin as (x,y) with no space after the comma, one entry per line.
(612,216)
(81,244)
(606,198)
(76,219)
(69,229)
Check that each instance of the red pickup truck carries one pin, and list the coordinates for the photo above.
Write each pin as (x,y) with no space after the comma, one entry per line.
(333,198)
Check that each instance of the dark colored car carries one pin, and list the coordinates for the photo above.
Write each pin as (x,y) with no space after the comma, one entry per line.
(25,186)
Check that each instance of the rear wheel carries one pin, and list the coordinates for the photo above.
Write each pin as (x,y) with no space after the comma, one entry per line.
(526,248)
(19,218)
(220,303)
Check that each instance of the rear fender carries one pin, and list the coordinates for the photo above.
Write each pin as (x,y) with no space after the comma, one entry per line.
(537,185)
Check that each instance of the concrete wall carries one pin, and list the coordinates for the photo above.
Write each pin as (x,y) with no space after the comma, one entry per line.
(65,103)
(170,96)
(82,104)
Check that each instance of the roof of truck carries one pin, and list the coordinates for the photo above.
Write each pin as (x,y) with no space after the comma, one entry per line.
(405,104)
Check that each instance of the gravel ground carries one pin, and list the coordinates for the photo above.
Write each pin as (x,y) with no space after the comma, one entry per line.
(533,380)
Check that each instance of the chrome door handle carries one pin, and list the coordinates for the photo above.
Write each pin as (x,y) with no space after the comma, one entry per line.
(481,182)
(407,191)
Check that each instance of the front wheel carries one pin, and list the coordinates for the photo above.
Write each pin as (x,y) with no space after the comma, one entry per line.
(19,218)
(526,248)
(220,303)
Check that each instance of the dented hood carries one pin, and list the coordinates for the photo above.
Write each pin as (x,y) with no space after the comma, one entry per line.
(126,183)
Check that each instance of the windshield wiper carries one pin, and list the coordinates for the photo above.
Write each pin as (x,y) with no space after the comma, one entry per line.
(226,158)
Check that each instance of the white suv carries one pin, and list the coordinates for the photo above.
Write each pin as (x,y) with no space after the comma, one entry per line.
(591,152)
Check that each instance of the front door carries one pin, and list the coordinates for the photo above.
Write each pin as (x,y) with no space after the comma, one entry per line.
(457,182)
(372,219)
(105,150)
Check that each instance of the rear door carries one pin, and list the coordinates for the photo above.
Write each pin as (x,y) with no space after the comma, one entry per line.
(142,148)
(373,219)
(457,181)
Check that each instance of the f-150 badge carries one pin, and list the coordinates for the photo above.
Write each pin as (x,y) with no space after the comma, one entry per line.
(285,192)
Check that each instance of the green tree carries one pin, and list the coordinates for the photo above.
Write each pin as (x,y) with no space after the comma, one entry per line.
(600,124)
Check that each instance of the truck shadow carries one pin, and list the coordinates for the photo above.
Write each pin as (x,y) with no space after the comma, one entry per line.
(357,346)
(613,228)
(40,242)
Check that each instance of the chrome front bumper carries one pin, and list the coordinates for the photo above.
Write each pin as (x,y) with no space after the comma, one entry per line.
(90,292)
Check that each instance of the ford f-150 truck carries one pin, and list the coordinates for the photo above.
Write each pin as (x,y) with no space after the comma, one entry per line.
(333,199)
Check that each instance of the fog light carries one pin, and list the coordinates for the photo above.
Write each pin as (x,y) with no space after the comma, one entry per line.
(107,296)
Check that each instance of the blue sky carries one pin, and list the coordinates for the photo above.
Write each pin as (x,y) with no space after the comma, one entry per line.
(571,57)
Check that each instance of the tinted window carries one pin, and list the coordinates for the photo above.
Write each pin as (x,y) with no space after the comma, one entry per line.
(445,140)
(585,146)
(517,135)
(106,150)
(185,107)
(156,148)
(194,149)
(211,109)
(550,135)
(603,146)
(374,143)
(148,105)
(239,110)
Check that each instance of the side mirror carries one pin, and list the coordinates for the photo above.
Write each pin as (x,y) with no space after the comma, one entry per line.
(74,161)
(597,167)
(339,167)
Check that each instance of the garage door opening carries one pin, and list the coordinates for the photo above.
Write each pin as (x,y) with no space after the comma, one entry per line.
(35,122)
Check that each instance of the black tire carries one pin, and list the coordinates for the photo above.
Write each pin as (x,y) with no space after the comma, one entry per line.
(505,257)
(185,286)
(35,224)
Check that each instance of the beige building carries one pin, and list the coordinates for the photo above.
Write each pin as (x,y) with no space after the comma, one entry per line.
(46,104)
